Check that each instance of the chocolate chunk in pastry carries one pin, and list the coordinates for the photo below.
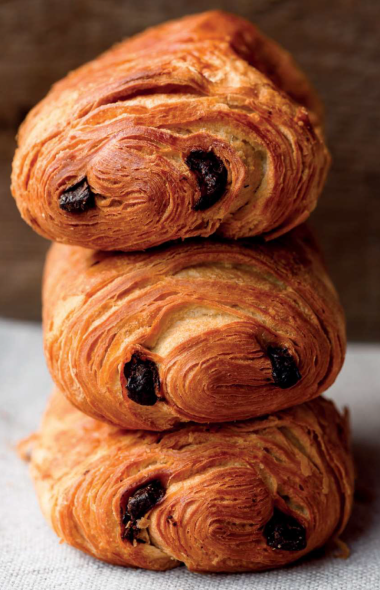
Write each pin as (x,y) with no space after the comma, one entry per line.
(138,505)
(284,369)
(199,126)
(77,198)
(243,496)
(142,380)
(284,532)
(203,331)
(211,176)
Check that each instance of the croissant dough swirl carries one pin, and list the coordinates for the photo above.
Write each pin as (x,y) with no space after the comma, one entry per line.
(205,330)
(251,495)
(197,126)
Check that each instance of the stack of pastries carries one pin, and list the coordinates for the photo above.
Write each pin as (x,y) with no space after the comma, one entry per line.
(190,325)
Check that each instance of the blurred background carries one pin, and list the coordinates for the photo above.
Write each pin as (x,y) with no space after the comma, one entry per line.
(335,41)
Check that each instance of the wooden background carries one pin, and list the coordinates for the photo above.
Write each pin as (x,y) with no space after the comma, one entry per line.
(336,42)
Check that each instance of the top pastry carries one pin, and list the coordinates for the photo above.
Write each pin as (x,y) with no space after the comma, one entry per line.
(198,126)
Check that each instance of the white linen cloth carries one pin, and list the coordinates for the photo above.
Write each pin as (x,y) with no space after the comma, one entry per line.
(31,557)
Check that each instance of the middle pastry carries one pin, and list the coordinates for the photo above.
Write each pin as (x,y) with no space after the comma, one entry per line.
(208,331)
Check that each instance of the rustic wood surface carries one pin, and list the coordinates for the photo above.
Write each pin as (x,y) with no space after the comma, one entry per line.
(336,42)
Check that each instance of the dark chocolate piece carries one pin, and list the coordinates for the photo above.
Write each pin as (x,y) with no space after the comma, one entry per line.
(139,503)
(284,532)
(284,369)
(78,198)
(142,380)
(211,175)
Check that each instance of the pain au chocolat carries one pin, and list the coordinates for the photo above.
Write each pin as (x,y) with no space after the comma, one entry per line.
(197,126)
(204,331)
(244,496)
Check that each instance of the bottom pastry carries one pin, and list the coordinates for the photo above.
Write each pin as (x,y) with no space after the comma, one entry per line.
(243,496)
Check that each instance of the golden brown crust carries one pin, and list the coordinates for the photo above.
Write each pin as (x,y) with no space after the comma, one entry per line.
(128,121)
(221,485)
(235,329)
